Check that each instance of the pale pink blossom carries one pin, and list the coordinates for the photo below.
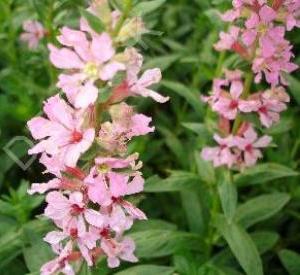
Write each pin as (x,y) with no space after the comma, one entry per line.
(60,264)
(269,110)
(85,240)
(62,133)
(135,85)
(251,146)
(290,11)
(33,33)
(118,250)
(42,188)
(275,66)
(221,155)
(125,125)
(86,62)
(227,40)
(258,24)
(230,104)
(109,189)
(67,211)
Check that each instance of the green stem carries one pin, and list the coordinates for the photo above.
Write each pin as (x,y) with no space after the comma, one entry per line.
(222,56)
(247,89)
(125,14)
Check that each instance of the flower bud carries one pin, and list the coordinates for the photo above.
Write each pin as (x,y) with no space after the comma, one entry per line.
(102,9)
(133,28)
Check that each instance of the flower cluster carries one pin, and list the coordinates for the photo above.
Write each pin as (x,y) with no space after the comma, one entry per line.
(33,33)
(83,139)
(257,35)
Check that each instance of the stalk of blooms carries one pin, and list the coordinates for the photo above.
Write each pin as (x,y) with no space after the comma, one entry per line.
(82,141)
(257,34)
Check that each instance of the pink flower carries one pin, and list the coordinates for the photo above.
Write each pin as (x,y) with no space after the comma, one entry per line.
(140,86)
(274,66)
(125,125)
(60,264)
(135,86)
(118,250)
(85,240)
(109,163)
(238,6)
(89,61)
(229,104)
(42,188)
(62,133)
(109,189)
(34,32)
(221,155)
(269,110)
(67,211)
(290,10)
(227,40)
(258,24)
(250,146)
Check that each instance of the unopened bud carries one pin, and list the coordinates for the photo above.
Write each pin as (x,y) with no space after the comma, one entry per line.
(134,28)
(102,9)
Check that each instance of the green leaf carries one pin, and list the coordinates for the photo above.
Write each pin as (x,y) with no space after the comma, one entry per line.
(198,128)
(175,145)
(294,87)
(159,243)
(241,245)
(85,269)
(152,224)
(10,244)
(210,269)
(264,240)
(260,208)
(95,22)
(228,195)
(34,262)
(146,7)
(178,181)
(291,261)
(205,169)
(264,173)
(104,94)
(148,270)
(161,62)
(191,97)
(193,200)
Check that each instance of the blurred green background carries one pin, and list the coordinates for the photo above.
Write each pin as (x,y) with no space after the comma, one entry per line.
(179,237)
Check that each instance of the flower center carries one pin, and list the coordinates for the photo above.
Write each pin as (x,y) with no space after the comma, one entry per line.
(76,210)
(263,110)
(91,70)
(103,168)
(249,148)
(233,104)
(76,137)
(74,233)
